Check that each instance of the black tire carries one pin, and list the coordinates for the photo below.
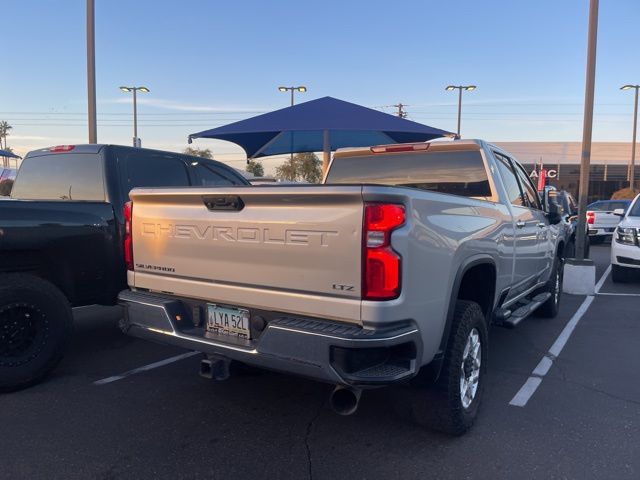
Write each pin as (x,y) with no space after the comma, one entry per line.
(619,274)
(35,326)
(549,309)
(440,405)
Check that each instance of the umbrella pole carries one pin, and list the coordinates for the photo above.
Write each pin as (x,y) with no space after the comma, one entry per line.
(326,152)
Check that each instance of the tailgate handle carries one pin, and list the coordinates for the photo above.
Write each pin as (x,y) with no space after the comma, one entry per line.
(224,202)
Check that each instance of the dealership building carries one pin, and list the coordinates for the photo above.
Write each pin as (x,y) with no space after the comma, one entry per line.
(608,172)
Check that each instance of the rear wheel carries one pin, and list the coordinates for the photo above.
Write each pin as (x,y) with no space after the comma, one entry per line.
(35,325)
(620,274)
(451,404)
(549,309)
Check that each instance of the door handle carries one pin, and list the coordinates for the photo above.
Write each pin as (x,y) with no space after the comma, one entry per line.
(520,224)
(542,224)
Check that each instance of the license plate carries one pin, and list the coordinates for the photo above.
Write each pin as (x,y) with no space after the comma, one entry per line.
(228,321)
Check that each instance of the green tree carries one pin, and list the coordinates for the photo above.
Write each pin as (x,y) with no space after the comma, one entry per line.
(198,152)
(4,133)
(255,168)
(5,187)
(303,166)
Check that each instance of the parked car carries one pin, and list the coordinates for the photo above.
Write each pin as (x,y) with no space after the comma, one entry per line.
(625,247)
(569,213)
(62,242)
(601,220)
(390,273)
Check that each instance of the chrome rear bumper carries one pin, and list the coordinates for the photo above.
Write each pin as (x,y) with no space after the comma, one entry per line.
(317,349)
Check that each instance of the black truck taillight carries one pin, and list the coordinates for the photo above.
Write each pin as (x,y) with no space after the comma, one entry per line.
(381,265)
(128,239)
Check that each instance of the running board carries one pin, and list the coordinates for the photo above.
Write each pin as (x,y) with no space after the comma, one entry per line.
(507,318)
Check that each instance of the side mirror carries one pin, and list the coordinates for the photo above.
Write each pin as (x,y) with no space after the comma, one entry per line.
(619,212)
(554,213)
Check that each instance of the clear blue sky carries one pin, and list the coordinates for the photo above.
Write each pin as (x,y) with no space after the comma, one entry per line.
(212,62)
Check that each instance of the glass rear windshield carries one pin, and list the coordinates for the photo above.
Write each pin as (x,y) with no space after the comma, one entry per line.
(60,176)
(454,172)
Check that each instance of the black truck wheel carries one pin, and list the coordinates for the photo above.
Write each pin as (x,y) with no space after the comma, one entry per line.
(549,309)
(451,404)
(619,274)
(35,326)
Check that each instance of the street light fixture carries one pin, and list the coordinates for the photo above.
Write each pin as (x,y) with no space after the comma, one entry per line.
(460,88)
(632,165)
(300,89)
(134,90)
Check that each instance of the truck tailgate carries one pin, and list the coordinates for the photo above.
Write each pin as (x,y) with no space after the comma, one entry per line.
(292,249)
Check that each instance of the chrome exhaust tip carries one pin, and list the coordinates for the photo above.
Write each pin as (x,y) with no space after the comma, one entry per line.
(345,400)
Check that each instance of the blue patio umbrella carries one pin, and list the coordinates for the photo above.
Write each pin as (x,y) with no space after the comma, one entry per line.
(8,154)
(324,124)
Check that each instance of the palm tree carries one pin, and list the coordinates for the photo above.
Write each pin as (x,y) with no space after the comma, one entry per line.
(4,132)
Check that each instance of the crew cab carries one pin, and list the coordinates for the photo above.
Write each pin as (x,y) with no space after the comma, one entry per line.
(62,242)
(389,273)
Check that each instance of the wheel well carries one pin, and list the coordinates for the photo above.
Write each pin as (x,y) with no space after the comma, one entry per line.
(479,285)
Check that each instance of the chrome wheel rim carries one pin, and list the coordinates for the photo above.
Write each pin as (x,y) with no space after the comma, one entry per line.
(470,368)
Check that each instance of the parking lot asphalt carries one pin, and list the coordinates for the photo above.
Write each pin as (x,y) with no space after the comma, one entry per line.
(582,422)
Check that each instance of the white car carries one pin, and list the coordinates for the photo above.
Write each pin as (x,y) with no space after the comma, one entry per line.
(625,247)
(601,220)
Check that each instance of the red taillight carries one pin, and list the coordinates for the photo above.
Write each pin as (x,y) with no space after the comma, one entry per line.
(128,240)
(410,147)
(591,218)
(62,148)
(381,264)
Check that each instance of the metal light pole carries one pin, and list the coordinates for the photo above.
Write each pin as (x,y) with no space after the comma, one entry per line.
(460,88)
(135,90)
(585,162)
(300,89)
(632,165)
(91,72)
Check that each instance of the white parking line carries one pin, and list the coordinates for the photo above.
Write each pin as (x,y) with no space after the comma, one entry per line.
(145,368)
(533,382)
(620,294)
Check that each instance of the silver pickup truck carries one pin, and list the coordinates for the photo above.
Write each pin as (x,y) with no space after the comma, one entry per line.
(389,273)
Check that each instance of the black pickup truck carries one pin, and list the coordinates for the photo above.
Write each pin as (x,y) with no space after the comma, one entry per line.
(61,242)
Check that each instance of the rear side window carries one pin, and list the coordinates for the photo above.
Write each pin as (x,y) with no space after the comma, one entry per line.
(60,176)
(454,172)
(150,169)
(530,193)
(607,206)
(509,180)
(207,176)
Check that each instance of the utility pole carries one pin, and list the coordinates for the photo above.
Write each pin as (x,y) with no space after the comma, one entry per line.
(402,113)
(631,173)
(587,128)
(91,72)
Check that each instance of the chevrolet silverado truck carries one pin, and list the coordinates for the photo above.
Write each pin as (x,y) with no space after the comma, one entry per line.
(61,242)
(389,273)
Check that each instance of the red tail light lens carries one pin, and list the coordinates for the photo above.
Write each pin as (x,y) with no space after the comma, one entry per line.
(62,148)
(128,240)
(381,278)
(591,218)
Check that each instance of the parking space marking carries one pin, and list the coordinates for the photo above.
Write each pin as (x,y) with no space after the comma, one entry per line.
(527,390)
(620,294)
(145,368)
